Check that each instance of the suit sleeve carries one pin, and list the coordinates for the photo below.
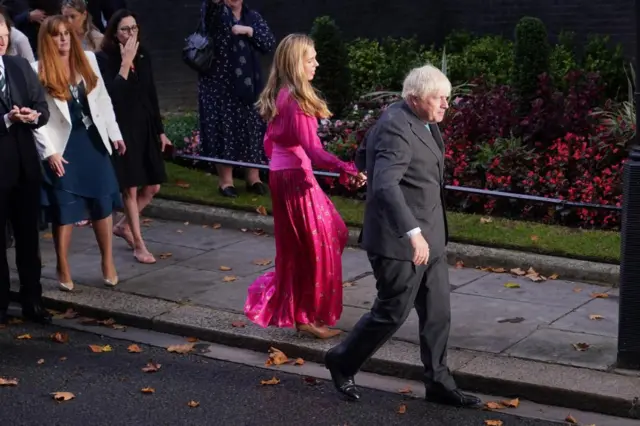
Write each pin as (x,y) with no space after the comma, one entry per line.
(36,95)
(392,157)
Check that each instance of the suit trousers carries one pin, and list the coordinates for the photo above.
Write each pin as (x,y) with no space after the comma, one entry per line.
(401,285)
(20,206)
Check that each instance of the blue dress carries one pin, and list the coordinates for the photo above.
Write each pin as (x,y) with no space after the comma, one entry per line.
(89,188)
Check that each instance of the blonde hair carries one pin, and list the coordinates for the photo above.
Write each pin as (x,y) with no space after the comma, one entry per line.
(287,70)
(424,81)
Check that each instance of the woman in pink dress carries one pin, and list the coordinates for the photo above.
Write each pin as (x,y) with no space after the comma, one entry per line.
(305,290)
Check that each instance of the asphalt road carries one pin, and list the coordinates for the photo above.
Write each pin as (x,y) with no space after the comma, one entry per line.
(107,388)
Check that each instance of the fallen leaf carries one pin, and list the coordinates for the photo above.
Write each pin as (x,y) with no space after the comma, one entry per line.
(571,419)
(119,327)
(69,314)
(276,357)
(516,320)
(134,349)
(147,390)
(224,268)
(192,339)
(229,278)
(262,262)
(596,317)
(164,256)
(299,361)
(459,264)
(486,220)
(181,349)
(494,406)
(553,277)
(519,272)
(8,382)
(348,284)
(238,324)
(512,285)
(405,391)
(98,349)
(272,381)
(577,289)
(261,210)
(599,295)
(182,184)
(88,321)
(259,232)
(217,226)
(40,361)
(580,347)
(63,396)
(107,323)
(47,235)
(534,238)
(193,404)
(493,423)
(60,337)
(402,408)
(24,337)
(498,270)
(512,403)
(151,367)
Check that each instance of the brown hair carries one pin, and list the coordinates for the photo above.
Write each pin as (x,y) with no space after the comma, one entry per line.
(87,27)
(51,72)
(110,41)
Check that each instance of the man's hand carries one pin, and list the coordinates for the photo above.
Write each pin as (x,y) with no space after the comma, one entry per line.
(420,249)
(37,15)
(22,115)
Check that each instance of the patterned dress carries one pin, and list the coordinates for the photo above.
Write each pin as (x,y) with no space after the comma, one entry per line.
(230,127)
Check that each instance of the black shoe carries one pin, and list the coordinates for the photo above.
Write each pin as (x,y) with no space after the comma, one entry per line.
(454,397)
(257,188)
(36,312)
(229,191)
(4,318)
(344,384)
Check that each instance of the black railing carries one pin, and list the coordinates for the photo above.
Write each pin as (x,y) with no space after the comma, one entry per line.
(561,204)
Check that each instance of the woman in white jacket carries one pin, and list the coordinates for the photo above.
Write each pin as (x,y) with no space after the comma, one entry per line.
(76,145)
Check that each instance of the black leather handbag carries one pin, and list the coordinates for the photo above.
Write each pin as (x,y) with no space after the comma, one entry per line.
(198,52)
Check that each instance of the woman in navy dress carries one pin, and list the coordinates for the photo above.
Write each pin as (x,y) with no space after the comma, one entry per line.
(79,180)
(230,127)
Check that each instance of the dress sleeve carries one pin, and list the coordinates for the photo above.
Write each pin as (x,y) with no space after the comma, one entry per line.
(263,38)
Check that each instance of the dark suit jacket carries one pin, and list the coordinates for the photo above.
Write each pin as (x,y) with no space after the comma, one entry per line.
(96,8)
(404,162)
(18,11)
(18,155)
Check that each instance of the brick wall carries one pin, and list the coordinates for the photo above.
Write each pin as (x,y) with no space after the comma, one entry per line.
(167,22)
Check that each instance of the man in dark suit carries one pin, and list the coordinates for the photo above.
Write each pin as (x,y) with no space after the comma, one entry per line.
(104,8)
(27,15)
(23,108)
(405,236)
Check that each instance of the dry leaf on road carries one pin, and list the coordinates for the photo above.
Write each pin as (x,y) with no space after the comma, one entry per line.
(571,419)
(299,361)
(98,349)
(553,277)
(60,337)
(348,284)
(224,268)
(192,339)
(69,314)
(164,256)
(599,295)
(276,357)
(494,406)
(459,264)
(519,272)
(513,403)
(217,226)
(134,349)
(262,262)
(8,382)
(40,361)
(181,349)
(24,337)
(405,391)
(261,210)
(580,347)
(596,317)
(402,408)
(151,367)
(493,423)
(109,322)
(238,324)
(511,285)
(577,289)
(62,396)
(147,390)
(193,404)
(271,381)
(229,278)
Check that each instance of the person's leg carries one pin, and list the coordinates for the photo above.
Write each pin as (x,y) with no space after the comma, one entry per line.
(62,241)
(225,181)
(5,276)
(132,208)
(122,227)
(103,229)
(254,184)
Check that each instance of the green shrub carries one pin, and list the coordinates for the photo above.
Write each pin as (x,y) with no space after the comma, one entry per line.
(599,56)
(332,77)
(531,55)
(562,58)
(180,126)
(490,57)
(457,41)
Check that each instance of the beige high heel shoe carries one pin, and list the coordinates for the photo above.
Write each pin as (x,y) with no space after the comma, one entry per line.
(111,282)
(316,332)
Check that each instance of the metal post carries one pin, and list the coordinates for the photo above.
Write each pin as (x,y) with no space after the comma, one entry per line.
(629,321)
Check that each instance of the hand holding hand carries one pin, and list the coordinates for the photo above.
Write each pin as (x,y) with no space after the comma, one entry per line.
(129,50)
(360,180)
(120,147)
(29,115)
(56,162)
(420,249)
(164,140)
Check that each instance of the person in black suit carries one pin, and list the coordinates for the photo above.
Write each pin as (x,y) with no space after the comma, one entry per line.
(104,8)
(24,108)
(405,236)
(27,15)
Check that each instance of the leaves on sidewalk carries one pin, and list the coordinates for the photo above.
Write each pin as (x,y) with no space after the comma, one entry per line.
(192,339)
(571,419)
(68,314)
(261,210)
(262,262)
(501,405)
(60,337)
(62,396)
(405,391)
(134,349)
(581,347)
(229,278)
(8,382)
(511,285)
(493,423)
(599,295)
(216,226)
(513,403)
(272,381)
(347,284)
(181,349)
(224,268)
(24,337)
(99,349)
(402,408)
(148,390)
(151,367)
(299,361)
(276,357)
(459,264)
(491,405)
(193,404)
(40,361)
(164,256)
(596,317)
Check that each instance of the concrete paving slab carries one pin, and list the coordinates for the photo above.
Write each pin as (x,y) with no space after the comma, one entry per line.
(459,277)
(557,346)
(580,320)
(194,236)
(229,296)
(355,264)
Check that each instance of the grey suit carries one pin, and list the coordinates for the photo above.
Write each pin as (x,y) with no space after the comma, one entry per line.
(404,160)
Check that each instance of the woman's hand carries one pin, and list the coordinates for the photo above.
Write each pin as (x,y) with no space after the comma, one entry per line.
(129,50)
(56,162)
(242,30)
(164,140)
(120,147)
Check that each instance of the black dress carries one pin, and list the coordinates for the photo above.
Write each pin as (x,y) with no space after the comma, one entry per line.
(135,103)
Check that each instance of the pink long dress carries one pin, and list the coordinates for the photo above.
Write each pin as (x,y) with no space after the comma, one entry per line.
(306,286)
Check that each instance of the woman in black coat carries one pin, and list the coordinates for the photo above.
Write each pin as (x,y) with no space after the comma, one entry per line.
(126,69)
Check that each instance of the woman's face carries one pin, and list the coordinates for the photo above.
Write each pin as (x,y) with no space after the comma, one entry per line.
(127,28)
(75,18)
(310,63)
(234,4)
(63,40)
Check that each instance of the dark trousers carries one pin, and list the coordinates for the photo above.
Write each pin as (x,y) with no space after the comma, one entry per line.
(402,285)
(20,206)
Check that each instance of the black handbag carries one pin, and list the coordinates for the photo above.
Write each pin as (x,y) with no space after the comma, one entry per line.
(198,51)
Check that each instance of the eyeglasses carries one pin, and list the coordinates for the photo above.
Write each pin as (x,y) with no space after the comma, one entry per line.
(131,29)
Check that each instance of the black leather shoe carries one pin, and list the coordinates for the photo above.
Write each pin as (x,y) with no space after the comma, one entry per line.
(455,398)
(37,313)
(229,191)
(344,384)
(257,188)
(4,318)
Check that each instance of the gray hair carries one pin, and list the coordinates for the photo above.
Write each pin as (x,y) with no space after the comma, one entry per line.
(424,81)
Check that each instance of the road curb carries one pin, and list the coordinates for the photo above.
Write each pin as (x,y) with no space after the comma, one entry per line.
(471,255)
(479,372)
